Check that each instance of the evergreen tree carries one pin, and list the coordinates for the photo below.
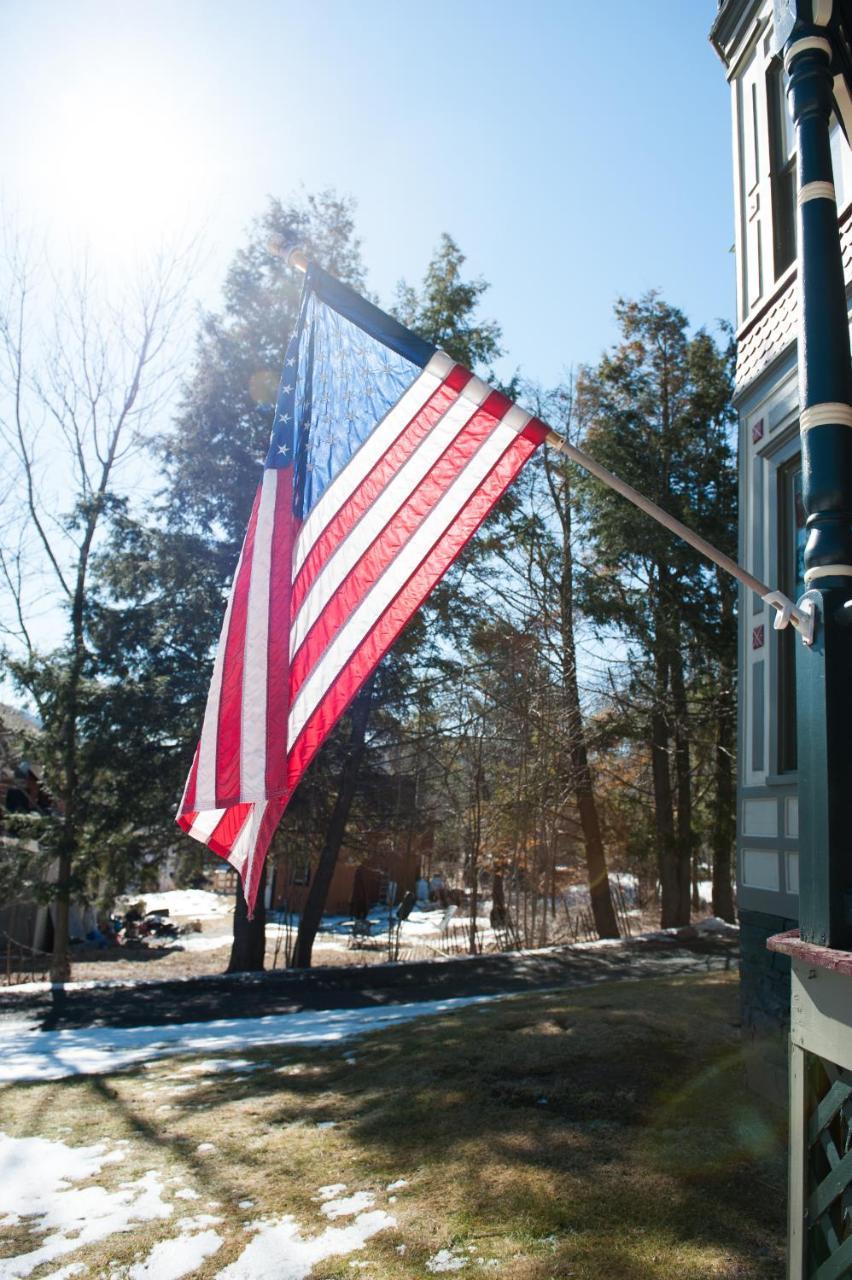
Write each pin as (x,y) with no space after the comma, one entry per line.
(657,410)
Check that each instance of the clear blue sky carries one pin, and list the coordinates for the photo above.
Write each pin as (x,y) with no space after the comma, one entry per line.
(576,151)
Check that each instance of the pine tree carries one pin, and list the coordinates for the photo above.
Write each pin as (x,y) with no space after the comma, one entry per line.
(657,412)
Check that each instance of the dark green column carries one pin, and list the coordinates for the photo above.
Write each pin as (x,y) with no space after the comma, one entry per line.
(823,669)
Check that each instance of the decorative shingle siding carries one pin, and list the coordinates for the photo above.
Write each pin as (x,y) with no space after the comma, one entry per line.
(767,335)
(772,330)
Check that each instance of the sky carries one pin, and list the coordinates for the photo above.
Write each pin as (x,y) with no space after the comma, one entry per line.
(577,152)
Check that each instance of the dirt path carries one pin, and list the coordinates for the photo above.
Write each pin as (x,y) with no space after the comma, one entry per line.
(283,991)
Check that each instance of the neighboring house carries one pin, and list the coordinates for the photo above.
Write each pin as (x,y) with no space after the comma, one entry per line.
(771,517)
(391,870)
(26,922)
(22,920)
(387,859)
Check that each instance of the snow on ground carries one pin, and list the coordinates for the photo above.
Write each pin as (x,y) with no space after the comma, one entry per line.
(446,1260)
(173,1259)
(203,942)
(192,904)
(32,1054)
(39,1182)
(279,1251)
(344,1206)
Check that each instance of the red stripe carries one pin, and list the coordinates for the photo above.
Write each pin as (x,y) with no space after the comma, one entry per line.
(188,801)
(278,637)
(390,541)
(221,839)
(536,431)
(228,733)
(386,629)
(375,481)
(253,865)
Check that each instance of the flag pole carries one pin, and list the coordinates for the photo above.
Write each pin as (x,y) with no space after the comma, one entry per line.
(787,612)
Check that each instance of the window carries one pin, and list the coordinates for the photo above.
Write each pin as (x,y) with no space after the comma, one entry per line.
(301,873)
(839,148)
(782,153)
(791,543)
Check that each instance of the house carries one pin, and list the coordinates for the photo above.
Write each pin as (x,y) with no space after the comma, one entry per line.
(386,875)
(772,534)
(25,918)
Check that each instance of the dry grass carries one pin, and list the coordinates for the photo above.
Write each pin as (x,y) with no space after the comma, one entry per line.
(593,1134)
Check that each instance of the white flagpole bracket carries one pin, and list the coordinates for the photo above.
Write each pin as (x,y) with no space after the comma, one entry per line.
(800,616)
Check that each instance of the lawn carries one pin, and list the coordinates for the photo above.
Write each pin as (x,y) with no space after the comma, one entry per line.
(593,1133)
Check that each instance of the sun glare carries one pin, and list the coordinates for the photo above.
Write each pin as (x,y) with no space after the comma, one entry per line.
(125,165)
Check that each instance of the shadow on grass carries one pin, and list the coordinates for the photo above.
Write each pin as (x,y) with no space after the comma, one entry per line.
(617,1118)
(606,1132)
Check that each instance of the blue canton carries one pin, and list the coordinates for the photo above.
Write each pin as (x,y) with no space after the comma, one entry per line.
(338,382)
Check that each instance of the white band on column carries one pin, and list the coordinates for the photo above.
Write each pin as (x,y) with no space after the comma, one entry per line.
(830,414)
(817,191)
(828,571)
(821,10)
(807,42)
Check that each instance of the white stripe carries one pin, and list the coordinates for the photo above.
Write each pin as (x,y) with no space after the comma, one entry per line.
(205,783)
(830,413)
(817,191)
(801,46)
(828,571)
(394,578)
(205,824)
(253,709)
(390,499)
(244,844)
(364,459)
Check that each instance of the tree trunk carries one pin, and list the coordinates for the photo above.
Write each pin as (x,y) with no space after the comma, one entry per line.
(248,949)
(663,800)
(683,777)
(724,818)
(60,961)
(475,847)
(603,911)
(312,913)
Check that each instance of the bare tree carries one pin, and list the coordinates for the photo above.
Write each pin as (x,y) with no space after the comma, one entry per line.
(78,391)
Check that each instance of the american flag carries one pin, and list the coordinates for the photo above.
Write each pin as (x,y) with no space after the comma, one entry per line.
(384,459)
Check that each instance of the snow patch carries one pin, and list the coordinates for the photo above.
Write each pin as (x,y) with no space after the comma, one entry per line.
(34,1054)
(198,1222)
(348,1205)
(279,1251)
(37,1178)
(331,1190)
(202,942)
(398,1185)
(446,1260)
(715,924)
(172,1259)
(197,904)
(212,1066)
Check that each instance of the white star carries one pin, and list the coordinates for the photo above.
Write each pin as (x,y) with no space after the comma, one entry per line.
(282,449)
(290,361)
(283,417)
(286,390)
